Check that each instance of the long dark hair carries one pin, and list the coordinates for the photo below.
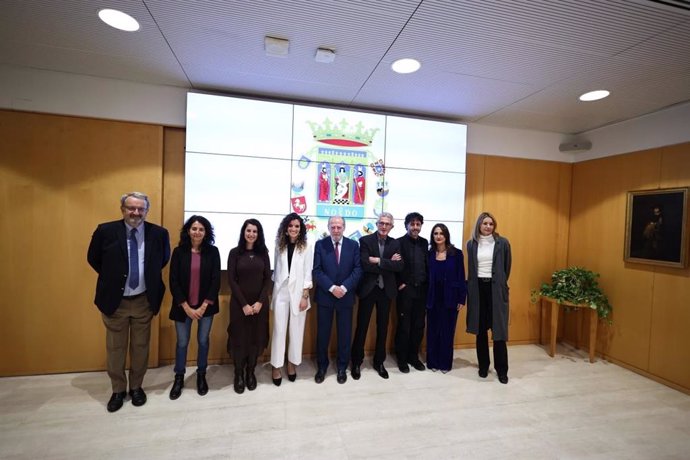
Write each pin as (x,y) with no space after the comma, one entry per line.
(209,236)
(282,238)
(259,245)
(449,246)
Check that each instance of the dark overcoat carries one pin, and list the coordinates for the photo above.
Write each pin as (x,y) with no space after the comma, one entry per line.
(500,272)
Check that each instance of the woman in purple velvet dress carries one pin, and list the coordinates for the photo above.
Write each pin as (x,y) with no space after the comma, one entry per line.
(445,298)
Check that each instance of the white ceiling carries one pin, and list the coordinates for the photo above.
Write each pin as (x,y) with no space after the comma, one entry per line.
(514,63)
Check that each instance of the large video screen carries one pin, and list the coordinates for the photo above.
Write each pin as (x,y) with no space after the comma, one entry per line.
(256,159)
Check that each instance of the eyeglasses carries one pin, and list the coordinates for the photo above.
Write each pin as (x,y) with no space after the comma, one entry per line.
(384,224)
(135,208)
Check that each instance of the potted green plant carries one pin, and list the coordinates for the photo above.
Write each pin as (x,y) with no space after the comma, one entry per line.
(579,286)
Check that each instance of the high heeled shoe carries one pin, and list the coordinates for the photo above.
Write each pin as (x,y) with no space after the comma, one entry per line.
(279,380)
(292,377)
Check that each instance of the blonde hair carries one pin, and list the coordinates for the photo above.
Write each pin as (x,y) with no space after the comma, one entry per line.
(477,227)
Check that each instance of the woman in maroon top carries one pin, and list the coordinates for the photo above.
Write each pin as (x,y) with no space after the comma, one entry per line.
(249,276)
(194,284)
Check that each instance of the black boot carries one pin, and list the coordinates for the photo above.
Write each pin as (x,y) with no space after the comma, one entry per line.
(178,384)
(239,381)
(251,379)
(201,385)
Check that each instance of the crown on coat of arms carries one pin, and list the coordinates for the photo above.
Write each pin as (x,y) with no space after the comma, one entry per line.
(342,134)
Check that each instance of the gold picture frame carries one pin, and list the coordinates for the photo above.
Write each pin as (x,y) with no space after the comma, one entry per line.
(656,227)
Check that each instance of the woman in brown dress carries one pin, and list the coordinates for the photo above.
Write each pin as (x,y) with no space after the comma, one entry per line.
(249,276)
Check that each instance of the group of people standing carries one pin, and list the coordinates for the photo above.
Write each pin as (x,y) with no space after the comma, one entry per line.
(427,280)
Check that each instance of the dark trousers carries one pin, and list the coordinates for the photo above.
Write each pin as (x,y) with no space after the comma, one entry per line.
(343,319)
(245,359)
(366,306)
(411,311)
(485,322)
(129,327)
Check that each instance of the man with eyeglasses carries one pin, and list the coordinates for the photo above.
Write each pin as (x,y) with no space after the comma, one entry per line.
(380,258)
(128,255)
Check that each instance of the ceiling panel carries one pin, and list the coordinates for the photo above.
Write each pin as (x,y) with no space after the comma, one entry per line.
(519,63)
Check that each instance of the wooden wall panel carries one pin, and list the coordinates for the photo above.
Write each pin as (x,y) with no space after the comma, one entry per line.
(530,200)
(173,215)
(670,321)
(650,316)
(59,178)
(597,227)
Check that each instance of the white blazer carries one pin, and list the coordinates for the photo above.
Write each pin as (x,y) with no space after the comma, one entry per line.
(299,276)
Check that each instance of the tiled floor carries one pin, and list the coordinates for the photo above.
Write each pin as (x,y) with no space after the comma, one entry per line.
(556,408)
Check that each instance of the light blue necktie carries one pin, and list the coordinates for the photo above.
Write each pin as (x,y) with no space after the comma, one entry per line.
(133,260)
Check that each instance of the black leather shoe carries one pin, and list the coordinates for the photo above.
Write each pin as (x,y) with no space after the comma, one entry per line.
(483,373)
(251,380)
(356,372)
(138,397)
(176,389)
(239,383)
(417,365)
(342,376)
(320,375)
(291,377)
(381,370)
(201,384)
(116,401)
(404,368)
(503,379)
(276,380)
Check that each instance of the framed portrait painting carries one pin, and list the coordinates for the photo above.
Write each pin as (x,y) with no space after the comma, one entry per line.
(655,228)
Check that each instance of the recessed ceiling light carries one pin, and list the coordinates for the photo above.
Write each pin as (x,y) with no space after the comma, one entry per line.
(406,65)
(594,95)
(118,20)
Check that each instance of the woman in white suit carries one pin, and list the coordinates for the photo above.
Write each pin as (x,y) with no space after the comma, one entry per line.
(294,258)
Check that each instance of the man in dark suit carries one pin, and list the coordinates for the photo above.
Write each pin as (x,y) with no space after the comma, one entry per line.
(336,274)
(412,290)
(128,256)
(380,258)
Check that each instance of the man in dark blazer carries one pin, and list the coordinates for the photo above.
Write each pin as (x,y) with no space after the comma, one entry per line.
(128,256)
(336,273)
(380,258)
